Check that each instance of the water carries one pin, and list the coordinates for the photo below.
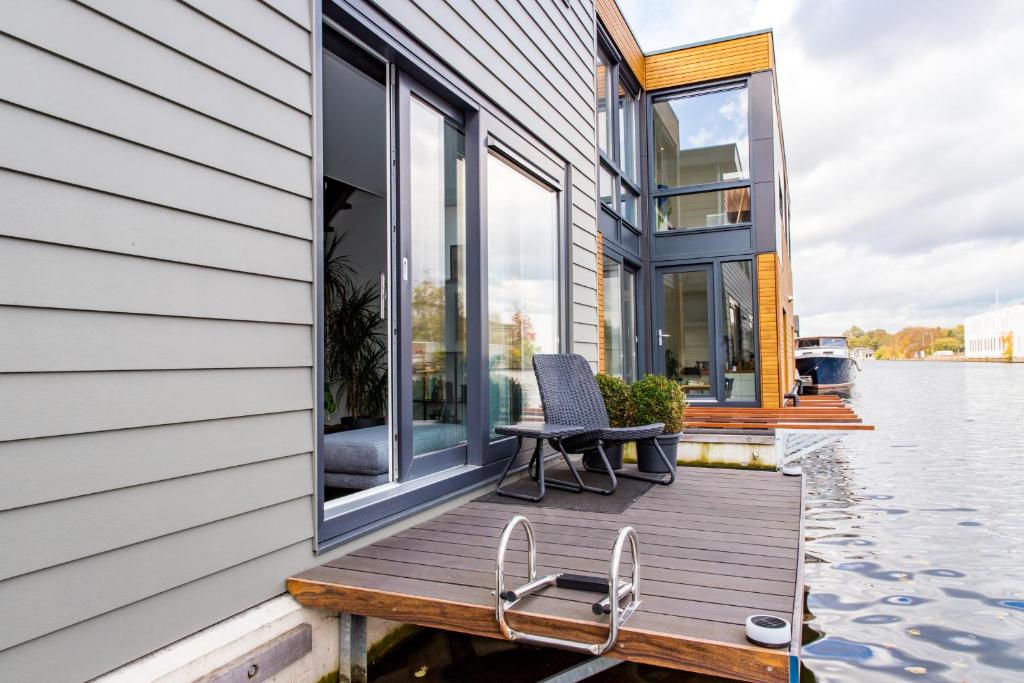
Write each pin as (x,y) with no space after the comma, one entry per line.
(915,532)
(915,545)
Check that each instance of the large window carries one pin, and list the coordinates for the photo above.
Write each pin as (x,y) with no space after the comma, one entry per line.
(702,143)
(738,316)
(617,140)
(604,73)
(703,209)
(620,342)
(523,282)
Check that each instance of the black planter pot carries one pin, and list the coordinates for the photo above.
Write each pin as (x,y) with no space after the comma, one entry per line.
(362,422)
(592,460)
(647,457)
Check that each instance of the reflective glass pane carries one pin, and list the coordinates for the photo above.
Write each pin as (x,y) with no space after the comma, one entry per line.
(438,280)
(629,325)
(605,187)
(684,336)
(701,139)
(703,210)
(522,276)
(738,314)
(604,103)
(627,133)
(627,204)
(613,316)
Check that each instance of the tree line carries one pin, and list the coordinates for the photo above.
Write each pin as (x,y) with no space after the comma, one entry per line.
(908,342)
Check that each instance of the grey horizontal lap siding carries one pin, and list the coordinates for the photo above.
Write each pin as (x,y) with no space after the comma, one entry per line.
(156,307)
(534,61)
(156,300)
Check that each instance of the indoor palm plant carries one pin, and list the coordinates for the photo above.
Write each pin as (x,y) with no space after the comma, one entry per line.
(355,348)
(656,398)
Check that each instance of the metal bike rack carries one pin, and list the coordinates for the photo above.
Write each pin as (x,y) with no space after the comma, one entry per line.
(505,599)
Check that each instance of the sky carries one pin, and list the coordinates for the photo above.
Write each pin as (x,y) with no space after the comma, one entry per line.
(904,130)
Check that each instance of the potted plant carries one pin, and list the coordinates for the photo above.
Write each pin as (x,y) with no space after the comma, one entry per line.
(658,399)
(616,399)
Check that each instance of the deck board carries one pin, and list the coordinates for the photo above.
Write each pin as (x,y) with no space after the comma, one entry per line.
(716,547)
(819,413)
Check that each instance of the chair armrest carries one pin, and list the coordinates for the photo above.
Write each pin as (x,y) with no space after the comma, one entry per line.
(631,433)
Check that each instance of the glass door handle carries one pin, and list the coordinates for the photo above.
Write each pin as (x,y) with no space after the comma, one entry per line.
(661,337)
(383,296)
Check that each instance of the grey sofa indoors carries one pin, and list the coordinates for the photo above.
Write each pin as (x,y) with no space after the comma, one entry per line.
(358,459)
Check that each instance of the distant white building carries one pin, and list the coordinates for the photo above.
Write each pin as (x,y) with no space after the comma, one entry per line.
(985,333)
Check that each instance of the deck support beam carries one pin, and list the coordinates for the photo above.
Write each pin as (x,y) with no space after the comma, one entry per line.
(352,664)
(583,670)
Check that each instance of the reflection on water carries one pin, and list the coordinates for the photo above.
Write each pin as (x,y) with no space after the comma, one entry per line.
(915,532)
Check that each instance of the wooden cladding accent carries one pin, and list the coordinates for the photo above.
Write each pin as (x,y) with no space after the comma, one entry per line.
(708,62)
(769,334)
(600,304)
(611,17)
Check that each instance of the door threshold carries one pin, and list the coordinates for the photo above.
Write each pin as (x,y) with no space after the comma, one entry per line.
(356,501)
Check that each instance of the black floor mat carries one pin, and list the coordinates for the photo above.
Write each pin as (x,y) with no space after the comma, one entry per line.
(625,494)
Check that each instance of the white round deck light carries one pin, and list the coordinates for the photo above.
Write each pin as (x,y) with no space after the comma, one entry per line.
(792,470)
(768,631)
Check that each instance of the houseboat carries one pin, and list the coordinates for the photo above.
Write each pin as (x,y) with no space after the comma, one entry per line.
(272,271)
(825,364)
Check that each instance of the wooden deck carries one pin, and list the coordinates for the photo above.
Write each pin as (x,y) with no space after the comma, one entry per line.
(822,413)
(716,547)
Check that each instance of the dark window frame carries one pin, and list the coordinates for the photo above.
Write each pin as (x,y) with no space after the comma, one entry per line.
(717,320)
(621,77)
(634,265)
(486,132)
(698,188)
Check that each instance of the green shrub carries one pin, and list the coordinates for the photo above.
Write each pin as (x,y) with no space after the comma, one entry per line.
(658,399)
(616,399)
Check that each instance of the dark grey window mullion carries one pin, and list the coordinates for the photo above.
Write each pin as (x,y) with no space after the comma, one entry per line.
(635,186)
(400,291)
(718,324)
(614,118)
(698,189)
(478,394)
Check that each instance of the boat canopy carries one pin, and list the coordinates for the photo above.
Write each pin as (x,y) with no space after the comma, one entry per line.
(812,342)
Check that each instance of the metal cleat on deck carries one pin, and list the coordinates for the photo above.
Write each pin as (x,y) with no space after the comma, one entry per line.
(615,589)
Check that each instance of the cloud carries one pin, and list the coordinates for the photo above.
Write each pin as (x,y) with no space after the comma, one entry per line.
(905,147)
(893,290)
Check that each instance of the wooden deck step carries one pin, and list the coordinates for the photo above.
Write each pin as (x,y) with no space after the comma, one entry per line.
(822,413)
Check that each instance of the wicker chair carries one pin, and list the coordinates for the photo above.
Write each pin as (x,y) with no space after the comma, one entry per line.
(571,396)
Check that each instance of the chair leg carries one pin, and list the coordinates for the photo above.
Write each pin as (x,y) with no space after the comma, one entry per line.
(538,450)
(576,487)
(607,470)
(537,469)
(536,456)
(655,478)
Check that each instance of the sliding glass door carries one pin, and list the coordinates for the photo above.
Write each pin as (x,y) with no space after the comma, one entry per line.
(432,294)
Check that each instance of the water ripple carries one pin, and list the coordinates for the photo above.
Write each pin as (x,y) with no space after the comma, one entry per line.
(915,532)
